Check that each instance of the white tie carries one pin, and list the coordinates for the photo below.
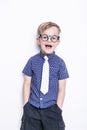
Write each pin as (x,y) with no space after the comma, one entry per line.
(45,76)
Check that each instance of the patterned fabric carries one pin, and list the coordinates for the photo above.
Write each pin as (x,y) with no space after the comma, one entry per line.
(58,71)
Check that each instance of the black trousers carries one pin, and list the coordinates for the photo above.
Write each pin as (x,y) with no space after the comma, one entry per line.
(42,119)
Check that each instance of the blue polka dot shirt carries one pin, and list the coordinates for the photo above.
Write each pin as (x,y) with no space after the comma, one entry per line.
(58,71)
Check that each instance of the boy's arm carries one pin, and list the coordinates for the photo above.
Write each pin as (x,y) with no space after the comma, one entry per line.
(26,88)
(61,93)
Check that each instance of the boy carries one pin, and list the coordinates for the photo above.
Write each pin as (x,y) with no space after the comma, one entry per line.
(43,107)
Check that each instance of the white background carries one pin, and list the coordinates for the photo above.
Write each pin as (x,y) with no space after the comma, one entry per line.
(19,20)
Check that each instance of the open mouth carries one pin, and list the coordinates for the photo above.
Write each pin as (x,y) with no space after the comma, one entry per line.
(48,46)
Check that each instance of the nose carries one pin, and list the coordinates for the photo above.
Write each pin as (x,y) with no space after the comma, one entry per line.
(49,39)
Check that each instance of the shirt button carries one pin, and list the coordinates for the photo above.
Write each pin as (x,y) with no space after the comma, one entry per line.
(41,99)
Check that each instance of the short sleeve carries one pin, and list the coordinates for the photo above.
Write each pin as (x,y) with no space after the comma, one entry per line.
(28,68)
(63,72)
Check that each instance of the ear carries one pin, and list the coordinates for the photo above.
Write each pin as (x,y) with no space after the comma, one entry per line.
(38,41)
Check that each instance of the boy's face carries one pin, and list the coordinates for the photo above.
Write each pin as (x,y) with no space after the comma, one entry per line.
(48,40)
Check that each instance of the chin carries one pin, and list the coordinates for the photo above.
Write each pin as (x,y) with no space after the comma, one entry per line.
(50,52)
(47,51)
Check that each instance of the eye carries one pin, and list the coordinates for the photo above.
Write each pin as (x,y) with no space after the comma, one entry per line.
(54,38)
(44,37)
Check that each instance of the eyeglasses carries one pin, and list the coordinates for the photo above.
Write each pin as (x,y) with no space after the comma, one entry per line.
(46,37)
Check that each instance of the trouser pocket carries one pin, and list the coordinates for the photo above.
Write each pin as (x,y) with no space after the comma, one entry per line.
(61,125)
(23,120)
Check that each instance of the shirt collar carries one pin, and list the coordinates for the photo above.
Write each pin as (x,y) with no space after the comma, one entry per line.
(49,55)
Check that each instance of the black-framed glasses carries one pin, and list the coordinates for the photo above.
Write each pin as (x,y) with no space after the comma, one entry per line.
(46,37)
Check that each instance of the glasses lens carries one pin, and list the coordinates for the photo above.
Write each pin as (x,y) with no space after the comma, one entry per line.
(54,38)
(44,37)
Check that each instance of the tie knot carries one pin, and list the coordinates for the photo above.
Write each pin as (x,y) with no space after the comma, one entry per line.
(46,58)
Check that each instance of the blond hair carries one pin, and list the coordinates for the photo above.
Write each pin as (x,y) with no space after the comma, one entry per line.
(46,25)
